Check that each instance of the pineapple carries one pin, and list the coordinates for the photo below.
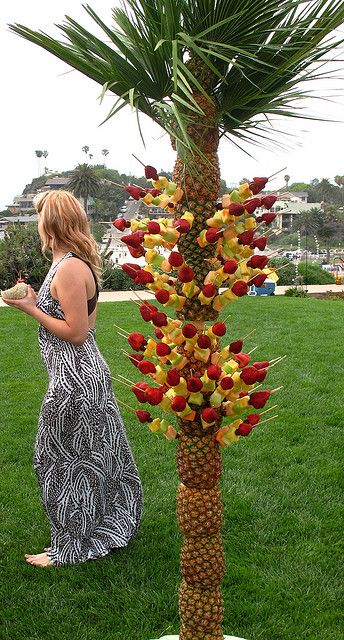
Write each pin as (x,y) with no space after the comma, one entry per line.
(199,461)
(202,561)
(199,511)
(200,610)
(15,293)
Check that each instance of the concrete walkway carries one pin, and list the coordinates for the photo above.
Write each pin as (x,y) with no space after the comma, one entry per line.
(122,296)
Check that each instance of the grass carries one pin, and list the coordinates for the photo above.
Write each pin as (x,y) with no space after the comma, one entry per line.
(281,492)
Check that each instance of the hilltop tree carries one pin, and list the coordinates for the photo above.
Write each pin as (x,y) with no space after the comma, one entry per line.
(84,183)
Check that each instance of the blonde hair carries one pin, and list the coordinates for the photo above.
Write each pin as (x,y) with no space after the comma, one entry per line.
(64,223)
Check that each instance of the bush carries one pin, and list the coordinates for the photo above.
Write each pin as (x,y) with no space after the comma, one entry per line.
(288,274)
(115,279)
(315,274)
(20,254)
(295,292)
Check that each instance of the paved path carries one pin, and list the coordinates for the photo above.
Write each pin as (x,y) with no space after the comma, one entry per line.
(122,296)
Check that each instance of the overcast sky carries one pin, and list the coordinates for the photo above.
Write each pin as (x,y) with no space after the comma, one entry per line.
(44,105)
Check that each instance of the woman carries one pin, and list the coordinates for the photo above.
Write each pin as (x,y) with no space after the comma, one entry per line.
(89,483)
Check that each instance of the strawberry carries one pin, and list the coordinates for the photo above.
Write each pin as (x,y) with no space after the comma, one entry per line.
(144,277)
(194,384)
(131,269)
(242,359)
(209,415)
(252,204)
(159,319)
(153,227)
(209,290)
(268,201)
(151,173)
(133,239)
(260,243)
(261,365)
(139,389)
(230,266)
(162,349)
(136,252)
(212,235)
(143,416)
(146,311)
(120,224)
(261,375)
(159,334)
(246,237)
(258,184)
(204,342)
(236,346)
(137,341)
(162,295)
(227,383)
(183,226)
(189,331)
(134,192)
(219,328)
(145,366)
(239,288)
(257,262)
(253,419)
(259,279)
(173,377)
(175,259)
(259,398)
(135,358)
(214,372)
(186,274)
(178,403)
(154,395)
(244,429)
(236,209)
(268,218)
(249,375)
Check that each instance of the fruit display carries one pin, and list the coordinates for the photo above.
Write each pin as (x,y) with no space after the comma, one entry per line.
(200,376)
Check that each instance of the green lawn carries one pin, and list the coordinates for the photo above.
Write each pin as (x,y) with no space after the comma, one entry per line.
(281,491)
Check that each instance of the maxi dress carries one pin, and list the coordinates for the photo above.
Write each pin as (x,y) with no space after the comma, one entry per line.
(89,483)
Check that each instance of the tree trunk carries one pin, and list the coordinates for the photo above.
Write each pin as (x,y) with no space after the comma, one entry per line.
(199,504)
(85,203)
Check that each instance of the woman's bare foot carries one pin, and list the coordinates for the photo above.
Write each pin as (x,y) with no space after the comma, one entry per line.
(38,560)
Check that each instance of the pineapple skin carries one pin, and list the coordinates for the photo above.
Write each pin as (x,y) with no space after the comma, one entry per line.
(17,292)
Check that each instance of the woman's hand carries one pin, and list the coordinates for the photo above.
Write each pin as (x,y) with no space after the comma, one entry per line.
(26,304)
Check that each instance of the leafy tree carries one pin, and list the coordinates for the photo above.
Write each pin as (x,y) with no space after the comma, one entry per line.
(308,221)
(20,253)
(84,182)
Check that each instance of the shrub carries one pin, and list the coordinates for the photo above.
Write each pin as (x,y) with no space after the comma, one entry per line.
(295,292)
(315,274)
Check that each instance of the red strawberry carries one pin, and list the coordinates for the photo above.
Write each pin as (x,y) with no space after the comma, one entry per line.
(242,359)
(259,279)
(252,204)
(268,217)
(182,226)
(236,209)
(133,239)
(249,375)
(178,403)
(253,419)
(159,319)
(131,269)
(137,341)
(246,237)
(261,365)
(186,274)
(139,389)
(219,328)
(135,358)
(194,384)
(145,366)
(209,290)
(134,192)
(151,172)
(136,252)
(159,334)
(204,342)
(120,224)
(258,184)
(244,429)
(259,398)
(209,415)
(153,227)
(212,235)
(175,259)
(162,295)
(154,395)
(230,266)
(236,346)
(144,277)
(260,243)
(189,330)
(261,375)
(240,288)
(162,349)
(258,262)
(214,372)
(143,416)
(268,201)
(227,383)
(146,311)
(173,377)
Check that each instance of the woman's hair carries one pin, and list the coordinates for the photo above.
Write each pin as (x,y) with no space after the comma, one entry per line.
(64,223)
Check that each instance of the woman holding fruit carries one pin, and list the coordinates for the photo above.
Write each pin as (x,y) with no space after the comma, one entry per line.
(88,479)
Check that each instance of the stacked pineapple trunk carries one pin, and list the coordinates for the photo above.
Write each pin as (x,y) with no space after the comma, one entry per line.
(199,503)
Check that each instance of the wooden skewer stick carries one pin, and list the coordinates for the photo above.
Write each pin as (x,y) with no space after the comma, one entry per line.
(126,353)
(282,267)
(267,419)
(125,405)
(143,164)
(122,335)
(121,382)
(127,379)
(275,174)
(277,389)
(277,361)
(252,350)
(115,183)
(254,389)
(124,331)
(266,410)
(274,359)
(226,318)
(249,334)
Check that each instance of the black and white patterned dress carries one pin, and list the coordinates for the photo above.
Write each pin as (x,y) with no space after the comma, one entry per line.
(89,482)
